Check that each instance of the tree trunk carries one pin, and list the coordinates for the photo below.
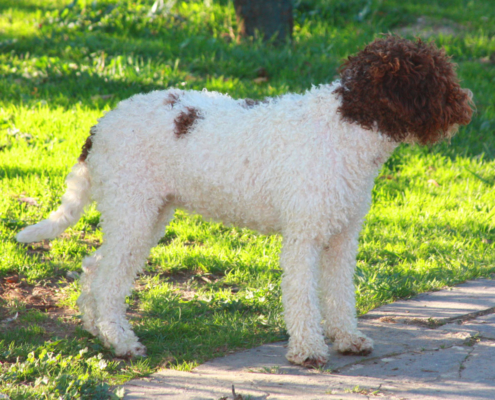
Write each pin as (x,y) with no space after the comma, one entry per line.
(267,17)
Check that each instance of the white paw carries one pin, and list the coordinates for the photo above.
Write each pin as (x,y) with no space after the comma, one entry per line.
(128,350)
(137,350)
(311,356)
(356,343)
(121,337)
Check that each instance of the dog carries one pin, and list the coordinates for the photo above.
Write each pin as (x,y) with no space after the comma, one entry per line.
(302,165)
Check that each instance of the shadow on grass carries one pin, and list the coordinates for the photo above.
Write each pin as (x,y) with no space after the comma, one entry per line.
(191,54)
(67,89)
(27,6)
(11,172)
(195,331)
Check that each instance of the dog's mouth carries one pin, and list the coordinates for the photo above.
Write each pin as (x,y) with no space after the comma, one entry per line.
(463,118)
(412,138)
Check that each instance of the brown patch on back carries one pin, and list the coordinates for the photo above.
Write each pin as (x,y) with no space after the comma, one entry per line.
(404,89)
(87,145)
(172,99)
(185,121)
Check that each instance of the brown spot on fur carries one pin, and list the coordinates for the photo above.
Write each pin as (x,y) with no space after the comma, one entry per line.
(172,99)
(87,145)
(185,120)
(404,89)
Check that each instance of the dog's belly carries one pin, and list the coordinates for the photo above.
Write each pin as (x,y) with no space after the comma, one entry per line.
(249,211)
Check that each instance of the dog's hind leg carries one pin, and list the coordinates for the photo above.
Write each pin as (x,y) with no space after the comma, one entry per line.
(337,291)
(130,228)
(86,301)
(299,260)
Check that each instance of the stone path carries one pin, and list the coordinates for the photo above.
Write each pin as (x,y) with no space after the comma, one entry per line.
(439,345)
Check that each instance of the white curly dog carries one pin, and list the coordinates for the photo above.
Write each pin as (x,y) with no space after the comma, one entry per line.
(302,165)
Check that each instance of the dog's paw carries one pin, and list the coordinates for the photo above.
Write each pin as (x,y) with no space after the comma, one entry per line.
(308,362)
(315,362)
(308,356)
(129,349)
(353,344)
(120,336)
(136,350)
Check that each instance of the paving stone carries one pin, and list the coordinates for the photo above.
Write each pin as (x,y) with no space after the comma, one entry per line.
(410,361)
(415,366)
(469,297)
(480,365)
(484,326)
(390,339)
(444,389)
(197,385)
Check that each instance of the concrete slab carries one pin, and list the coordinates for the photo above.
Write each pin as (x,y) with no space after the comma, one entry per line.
(410,361)
(483,326)
(390,339)
(480,365)
(451,303)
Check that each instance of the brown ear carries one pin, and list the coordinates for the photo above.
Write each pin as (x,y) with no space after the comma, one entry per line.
(403,89)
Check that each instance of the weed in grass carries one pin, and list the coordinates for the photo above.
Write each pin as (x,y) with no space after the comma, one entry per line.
(364,391)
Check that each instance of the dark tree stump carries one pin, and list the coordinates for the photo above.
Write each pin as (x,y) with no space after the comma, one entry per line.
(268,17)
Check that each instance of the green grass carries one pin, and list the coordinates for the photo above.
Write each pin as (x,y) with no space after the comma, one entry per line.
(207,289)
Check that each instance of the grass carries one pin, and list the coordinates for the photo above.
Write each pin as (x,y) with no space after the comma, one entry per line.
(207,289)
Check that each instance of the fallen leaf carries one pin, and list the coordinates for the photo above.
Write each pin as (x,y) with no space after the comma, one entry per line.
(29,200)
(12,279)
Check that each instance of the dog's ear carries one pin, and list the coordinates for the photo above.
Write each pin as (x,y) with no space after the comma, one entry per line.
(407,90)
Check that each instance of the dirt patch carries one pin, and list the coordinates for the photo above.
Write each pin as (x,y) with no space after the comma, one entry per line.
(187,282)
(41,298)
(16,295)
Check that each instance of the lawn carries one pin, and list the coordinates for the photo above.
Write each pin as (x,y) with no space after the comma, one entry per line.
(207,289)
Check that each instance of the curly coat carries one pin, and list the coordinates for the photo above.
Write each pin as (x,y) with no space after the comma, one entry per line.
(302,165)
(402,89)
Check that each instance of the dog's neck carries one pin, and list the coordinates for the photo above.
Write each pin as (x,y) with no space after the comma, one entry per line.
(369,148)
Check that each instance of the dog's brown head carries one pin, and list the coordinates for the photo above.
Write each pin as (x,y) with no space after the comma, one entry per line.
(407,90)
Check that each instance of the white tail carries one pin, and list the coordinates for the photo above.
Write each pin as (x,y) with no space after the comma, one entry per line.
(76,197)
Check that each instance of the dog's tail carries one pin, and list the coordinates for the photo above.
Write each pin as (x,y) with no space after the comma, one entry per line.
(76,197)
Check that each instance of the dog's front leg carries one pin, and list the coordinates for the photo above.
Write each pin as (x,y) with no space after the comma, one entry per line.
(337,291)
(299,260)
